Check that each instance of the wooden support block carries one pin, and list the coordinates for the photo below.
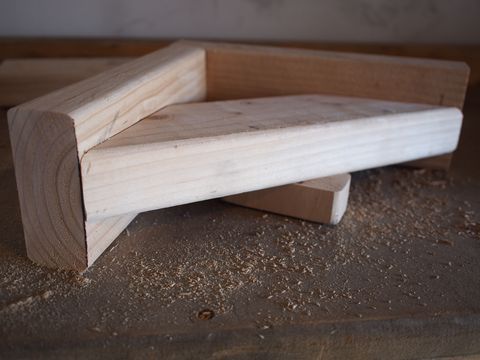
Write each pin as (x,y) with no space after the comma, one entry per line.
(62,230)
(321,200)
(192,152)
(51,134)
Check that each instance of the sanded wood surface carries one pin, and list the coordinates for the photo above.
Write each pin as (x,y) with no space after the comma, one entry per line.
(22,80)
(50,134)
(379,77)
(109,91)
(321,200)
(92,48)
(240,71)
(193,152)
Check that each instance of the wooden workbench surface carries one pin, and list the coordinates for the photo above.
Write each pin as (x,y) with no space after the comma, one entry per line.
(398,278)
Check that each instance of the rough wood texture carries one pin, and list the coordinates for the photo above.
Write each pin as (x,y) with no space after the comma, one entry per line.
(48,183)
(193,152)
(142,297)
(42,71)
(88,130)
(241,71)
(100,234)
(88,48)
(50,134)
(22,80)
(321,200)
(246,72)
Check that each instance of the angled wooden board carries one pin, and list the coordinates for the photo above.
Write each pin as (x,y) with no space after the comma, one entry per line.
(192,152)
(22,80)
(66,124)
(242,71)
(245,71)
(50,134)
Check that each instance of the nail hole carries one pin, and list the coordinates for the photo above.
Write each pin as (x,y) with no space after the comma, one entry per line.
(205,314)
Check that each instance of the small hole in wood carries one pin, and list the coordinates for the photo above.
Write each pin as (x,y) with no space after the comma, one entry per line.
(205,314)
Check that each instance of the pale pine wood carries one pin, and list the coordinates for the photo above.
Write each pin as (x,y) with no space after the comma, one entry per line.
(384,80)
(50,134)
(242,71)
(245,71)
(193,152)
(100,234)
(321,200)
(48,183)
(94,121)
(22,80)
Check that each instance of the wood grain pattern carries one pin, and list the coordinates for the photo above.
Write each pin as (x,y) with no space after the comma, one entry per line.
(50,134)
(400,328)
(242,71)
(106,104)
(48,182)
(94,48)
(100,234)
(22,80)
(321,200)
(193,152)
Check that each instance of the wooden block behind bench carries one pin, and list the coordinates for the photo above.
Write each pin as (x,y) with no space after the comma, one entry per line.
(321,200)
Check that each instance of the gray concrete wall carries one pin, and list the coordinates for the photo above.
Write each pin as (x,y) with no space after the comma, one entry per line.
(399,21)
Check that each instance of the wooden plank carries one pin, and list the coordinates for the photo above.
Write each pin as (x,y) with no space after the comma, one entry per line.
(174,262)
(75,47)
(194,152)
(321,200)
(243,71)
(41,66)
(22,80)
(88,133)
(50,134)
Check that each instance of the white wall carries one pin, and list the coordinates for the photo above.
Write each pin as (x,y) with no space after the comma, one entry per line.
(404,21)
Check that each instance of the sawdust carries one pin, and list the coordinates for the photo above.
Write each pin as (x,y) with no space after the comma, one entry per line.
(299,266)
(401,234)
